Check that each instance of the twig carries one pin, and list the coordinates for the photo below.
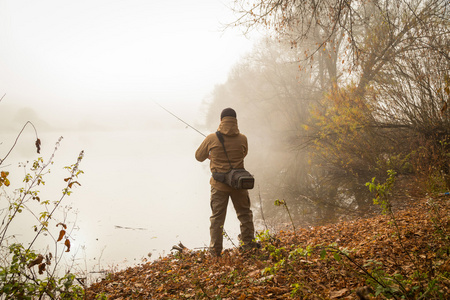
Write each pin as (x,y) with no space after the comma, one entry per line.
(261,207)
(69,182)
(358,266)
(283,202)
(228,237)
(17,138)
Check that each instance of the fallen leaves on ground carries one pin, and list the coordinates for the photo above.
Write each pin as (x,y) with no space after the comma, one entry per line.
(338,261)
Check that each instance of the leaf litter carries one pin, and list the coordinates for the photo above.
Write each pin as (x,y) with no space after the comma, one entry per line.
(356,259)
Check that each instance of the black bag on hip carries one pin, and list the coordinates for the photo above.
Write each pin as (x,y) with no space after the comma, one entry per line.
(239,179)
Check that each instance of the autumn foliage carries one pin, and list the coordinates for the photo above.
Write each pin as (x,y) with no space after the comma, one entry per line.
(25,271)
(343,138)
(359,259)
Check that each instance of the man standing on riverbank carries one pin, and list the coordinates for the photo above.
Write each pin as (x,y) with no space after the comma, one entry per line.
(236,148)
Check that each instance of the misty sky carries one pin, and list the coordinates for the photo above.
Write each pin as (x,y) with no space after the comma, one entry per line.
(99,64)
(96,60)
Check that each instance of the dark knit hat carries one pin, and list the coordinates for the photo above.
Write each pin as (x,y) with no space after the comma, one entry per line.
(228,112)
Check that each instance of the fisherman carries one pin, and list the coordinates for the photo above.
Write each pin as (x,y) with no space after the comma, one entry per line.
(236,149)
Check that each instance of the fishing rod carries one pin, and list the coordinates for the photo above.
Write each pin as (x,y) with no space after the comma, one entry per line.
(179,118)
(225,233)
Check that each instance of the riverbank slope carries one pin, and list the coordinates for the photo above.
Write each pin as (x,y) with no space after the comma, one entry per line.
(374,258)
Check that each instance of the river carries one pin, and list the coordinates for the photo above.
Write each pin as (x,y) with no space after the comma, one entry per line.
(141,193)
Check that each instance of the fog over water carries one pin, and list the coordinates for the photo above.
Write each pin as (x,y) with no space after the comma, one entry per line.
(142,191)
(90,71)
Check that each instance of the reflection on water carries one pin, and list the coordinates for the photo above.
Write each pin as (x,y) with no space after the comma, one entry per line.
(141,192)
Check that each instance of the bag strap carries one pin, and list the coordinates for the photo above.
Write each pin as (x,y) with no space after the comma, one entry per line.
(220,137)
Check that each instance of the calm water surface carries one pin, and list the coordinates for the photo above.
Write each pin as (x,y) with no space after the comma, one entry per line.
(141,193)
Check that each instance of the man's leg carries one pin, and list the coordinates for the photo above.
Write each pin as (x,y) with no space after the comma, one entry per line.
(219,203)
(241,203)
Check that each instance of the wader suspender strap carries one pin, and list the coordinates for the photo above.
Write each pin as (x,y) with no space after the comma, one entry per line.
(220,137)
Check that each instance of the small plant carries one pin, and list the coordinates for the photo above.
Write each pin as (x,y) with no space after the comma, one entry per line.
(263,236)
(382,282)
(274,269)
(26,273)
(423,282)
(283,202)
(383,191)
(225,234)
(277,255)
(301,252)
(337,253)
(101,296)
(296,289)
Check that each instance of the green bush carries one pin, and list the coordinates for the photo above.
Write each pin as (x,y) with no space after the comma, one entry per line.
(27,273)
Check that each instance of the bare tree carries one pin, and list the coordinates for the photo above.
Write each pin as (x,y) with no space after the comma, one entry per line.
(384,64)
(360,37)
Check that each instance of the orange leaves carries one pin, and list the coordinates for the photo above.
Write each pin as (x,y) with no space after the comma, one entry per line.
(67,244)
(446,266)
(303,274)
(62,234)
(444,108)
(40,262)
(62,224)
(36,261)
(70,184)
(41,267)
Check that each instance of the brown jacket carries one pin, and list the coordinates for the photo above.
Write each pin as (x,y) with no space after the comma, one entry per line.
(236,145)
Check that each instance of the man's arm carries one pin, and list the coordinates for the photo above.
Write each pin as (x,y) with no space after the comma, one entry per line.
(202,152)
(245,146)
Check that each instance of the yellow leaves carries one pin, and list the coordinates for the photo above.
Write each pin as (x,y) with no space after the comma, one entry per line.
(3,178)
(340,125)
